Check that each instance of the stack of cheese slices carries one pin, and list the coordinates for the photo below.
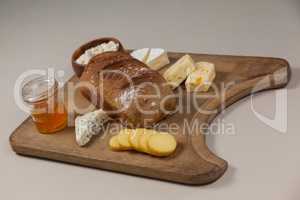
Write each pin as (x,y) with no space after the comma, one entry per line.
(143,140)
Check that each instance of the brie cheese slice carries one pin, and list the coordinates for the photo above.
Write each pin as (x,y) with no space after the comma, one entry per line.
(88,125)
(141,54)
(157,58)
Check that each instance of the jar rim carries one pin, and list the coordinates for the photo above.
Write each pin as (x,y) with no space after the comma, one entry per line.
(39,88)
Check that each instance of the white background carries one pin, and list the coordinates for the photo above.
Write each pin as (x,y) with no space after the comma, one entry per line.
(263,163)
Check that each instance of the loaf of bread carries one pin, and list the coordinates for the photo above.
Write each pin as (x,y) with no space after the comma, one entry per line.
(128,89)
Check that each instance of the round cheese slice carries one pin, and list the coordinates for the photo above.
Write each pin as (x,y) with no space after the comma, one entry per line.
(143,142)
(134,138)
(114,144)
(161,144)
(123,138)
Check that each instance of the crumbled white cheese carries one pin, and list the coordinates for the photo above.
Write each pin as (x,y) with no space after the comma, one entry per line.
(104,47)
(88,125)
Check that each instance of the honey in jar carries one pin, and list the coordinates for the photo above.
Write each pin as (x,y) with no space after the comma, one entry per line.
(47,109)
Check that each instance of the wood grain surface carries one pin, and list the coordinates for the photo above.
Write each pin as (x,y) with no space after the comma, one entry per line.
(192,163)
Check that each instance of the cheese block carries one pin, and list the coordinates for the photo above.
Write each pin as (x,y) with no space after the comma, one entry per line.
(202,78)
(179,71)
(205,66)
(88,125)
(157,58)
(141,54)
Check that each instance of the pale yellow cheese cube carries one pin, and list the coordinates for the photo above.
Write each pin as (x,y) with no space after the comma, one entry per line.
(179,71)
(202,78)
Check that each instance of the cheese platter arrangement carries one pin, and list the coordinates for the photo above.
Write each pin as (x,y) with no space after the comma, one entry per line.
(140,112)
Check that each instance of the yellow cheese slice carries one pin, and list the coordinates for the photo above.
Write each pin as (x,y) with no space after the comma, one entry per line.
(134,138)
(114,144)
(162,144)
(123,138)
(143,141)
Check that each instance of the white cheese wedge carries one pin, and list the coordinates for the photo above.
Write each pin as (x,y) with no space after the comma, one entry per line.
(88,125)
(202,78)
(157,58)
(179,71)
(141,54)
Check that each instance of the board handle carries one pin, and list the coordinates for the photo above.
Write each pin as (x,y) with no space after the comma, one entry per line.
(271,80)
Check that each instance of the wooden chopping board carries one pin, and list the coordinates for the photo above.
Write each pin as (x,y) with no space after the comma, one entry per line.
(192,163)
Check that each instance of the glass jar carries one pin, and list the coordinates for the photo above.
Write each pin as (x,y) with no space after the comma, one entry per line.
(47,109)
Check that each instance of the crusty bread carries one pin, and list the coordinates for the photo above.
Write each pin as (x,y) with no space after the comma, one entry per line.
(129,89)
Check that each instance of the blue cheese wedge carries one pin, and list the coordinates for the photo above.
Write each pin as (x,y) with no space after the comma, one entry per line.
(201,79)
(179,71)
(88,125)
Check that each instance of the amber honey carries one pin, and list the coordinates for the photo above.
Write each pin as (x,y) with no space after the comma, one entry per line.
(50,120)
(47,110)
